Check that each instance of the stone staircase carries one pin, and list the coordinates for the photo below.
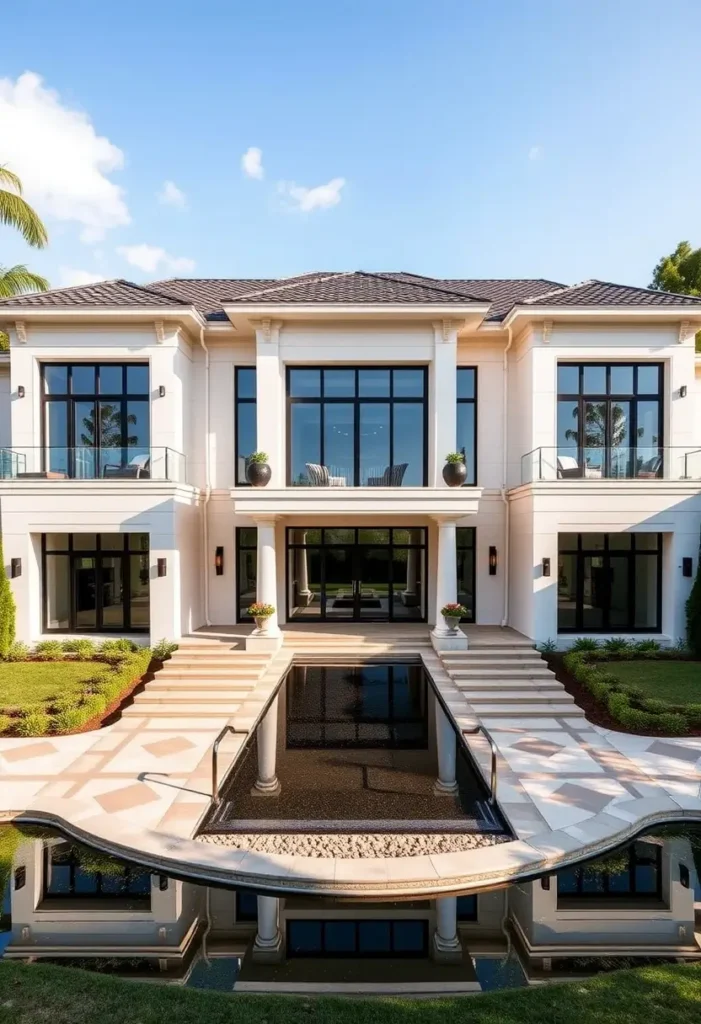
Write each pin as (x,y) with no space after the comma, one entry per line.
(204,678)
(508,679)
(338,647)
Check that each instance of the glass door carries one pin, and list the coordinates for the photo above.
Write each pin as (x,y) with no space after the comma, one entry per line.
(372,583)
(338,600)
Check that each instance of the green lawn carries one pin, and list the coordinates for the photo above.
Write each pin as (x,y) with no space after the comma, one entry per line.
(35,994)
(33,682)
(678,682)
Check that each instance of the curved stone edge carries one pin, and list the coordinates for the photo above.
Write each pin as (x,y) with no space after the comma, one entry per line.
(371,878)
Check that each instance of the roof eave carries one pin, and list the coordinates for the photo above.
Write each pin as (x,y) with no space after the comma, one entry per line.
(670,313)
(380,310)
(132,314)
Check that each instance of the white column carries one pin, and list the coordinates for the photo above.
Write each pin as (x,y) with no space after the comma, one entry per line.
(446,749)
(446,944)
(303,571)
(266,740)
(444,412)
(268,944)
(446,587)
(412,575)
(266,588)
(270,399)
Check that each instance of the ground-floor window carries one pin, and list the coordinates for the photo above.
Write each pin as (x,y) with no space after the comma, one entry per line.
(609,582)
(246,570)
(96,582)
(77,873)
(465,541)
(636,871)
(357,938)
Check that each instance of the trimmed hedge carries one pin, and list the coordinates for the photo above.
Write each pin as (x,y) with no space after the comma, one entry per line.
(625,703)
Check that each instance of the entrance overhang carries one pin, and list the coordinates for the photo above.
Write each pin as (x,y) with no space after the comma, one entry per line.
(398,502)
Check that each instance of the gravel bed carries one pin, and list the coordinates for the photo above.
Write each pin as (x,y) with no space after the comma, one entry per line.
(354,846)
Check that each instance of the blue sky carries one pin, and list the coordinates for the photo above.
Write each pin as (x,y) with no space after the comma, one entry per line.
(480,140)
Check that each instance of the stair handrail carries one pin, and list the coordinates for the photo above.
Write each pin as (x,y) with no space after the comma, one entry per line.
(216,798)
(472,731)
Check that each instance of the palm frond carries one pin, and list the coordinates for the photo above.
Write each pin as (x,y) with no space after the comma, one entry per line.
(17,213)
(18,281)
(8,177)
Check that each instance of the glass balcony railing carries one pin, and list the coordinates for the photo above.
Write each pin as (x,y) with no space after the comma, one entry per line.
(131,463)
(641,463)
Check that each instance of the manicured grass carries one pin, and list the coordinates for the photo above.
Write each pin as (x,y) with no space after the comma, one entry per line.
(35,994)
(24,683)
(678,682)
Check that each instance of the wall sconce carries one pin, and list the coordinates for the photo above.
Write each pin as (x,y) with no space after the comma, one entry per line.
(20,391)
(687,567)
(163,883)
(20,877)
(161,391)
(219,561)
(15,567)
(492,561)
(546,567)
(162,566)
(682,391)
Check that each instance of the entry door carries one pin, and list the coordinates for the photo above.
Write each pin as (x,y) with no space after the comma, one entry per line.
(338,595)
(372,589)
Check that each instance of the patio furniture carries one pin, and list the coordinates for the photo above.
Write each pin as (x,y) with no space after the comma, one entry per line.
(137,468)
(392,476)
(651,469)
(568,468)
(47,474)
(319,476)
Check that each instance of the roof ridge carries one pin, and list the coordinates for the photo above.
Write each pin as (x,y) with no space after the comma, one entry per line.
(295,283)
(435,286)
(555,291)
(640,288)
(143,288)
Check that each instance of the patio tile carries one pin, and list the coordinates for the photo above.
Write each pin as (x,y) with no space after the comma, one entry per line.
(126,799)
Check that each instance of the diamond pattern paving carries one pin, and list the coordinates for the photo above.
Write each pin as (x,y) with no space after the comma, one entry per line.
(29,752)
(126,799)
(164,748)
(535,745)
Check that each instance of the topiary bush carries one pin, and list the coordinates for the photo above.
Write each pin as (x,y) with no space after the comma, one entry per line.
(8,610)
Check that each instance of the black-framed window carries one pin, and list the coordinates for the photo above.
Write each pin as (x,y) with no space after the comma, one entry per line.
(362,707)
(635,872)
(467,420)
(467,908)
(246,905)
(357,939)
(466,541)
(246,570)
(357,426)
(356,573)
(96,418)
(77,873)
(96,582)
(609,582)
(610,420)
(246,426)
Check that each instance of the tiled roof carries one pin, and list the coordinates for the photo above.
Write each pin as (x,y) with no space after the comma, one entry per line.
(209,295)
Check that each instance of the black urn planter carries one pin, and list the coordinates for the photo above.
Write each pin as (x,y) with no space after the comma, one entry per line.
(455,474)
(258,474)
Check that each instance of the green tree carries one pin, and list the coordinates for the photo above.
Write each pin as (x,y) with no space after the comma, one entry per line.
(680,272)
(693,612)
(17,213)
(7,609)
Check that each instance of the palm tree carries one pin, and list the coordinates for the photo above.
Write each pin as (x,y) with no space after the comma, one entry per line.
(18,281)
(17,213)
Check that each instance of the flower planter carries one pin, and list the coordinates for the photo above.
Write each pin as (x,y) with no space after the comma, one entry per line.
(262,621)
(452,622)
(258,474)
(455,474)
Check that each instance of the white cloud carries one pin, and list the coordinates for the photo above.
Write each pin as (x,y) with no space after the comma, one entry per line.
(62,161)
(252,163)
(535,153)
(71,275)
(171,195)
(307,199)
(150,258)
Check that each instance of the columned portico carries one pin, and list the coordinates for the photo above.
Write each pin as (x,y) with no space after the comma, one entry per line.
(446,586)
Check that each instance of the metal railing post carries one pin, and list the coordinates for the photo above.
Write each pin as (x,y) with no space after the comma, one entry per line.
(493,747)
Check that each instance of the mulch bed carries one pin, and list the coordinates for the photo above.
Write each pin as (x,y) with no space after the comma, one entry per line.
(596,712)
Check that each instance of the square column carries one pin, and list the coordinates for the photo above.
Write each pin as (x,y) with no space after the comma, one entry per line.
(269,638)
(442,638)
(444,391)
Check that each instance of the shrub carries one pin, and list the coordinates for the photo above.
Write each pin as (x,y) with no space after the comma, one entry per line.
(84,649)
(656,706)
(617,702)
(36,723)
(7,609)
(672,723)
(163,649)
(67,721)
(636,718)
(258,458)
(66,702)
(585,643)
(49,650)
(548,646)
(648,647)
(93,705)
(6,723)
(18,652)
(617,645)
(693,613)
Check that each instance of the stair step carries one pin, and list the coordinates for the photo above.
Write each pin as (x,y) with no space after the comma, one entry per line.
(218,656)
(176,672)
(173,684)
(481,645)
(533,697)
(187,710)
(524,709)
(510,672)
(497,685)
(189,696)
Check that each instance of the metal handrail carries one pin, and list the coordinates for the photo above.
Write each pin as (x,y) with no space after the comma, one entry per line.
(216,799)
(493,779)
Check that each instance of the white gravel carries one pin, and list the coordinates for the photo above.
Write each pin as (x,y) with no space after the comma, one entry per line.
(353,845)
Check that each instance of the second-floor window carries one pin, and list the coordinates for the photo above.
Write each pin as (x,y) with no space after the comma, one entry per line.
(96,418)
(609,420)
(357,426)
(246,429)
(467,420)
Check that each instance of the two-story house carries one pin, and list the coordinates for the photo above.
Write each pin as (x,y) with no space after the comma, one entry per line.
(131,411)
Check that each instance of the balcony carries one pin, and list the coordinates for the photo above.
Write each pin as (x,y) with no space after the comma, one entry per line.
(347,473)
(88,463)
(641,463)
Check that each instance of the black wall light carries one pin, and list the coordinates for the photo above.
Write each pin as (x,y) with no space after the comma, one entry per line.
(20,391)
(687,567)
(492,561)
(219,561)
(162,567)
(161,391)
(15,567)
(682,391)
(546,567)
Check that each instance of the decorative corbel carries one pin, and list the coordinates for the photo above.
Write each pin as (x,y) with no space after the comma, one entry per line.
(160,331)
(547,331)
(446,330)
(686,332)
(21,331)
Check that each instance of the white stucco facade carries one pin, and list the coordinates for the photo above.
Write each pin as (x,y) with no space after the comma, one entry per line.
(193,505)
